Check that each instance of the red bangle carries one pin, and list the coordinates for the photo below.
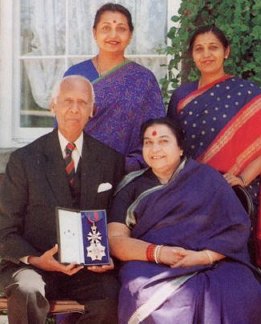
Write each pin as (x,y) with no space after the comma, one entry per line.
(150,252)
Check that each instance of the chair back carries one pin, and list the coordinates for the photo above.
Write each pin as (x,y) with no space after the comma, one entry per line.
(245,199)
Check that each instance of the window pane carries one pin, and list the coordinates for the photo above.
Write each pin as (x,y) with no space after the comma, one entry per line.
(58,33)
(155,64)
(81,16)
(38,78)
(43,27)
(150,25)
(149,19)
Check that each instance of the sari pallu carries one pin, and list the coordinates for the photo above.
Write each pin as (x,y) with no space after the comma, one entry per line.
(175,214)
(125,97)
(221,122)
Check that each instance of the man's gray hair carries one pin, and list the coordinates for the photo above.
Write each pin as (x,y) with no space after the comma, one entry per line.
(57,88)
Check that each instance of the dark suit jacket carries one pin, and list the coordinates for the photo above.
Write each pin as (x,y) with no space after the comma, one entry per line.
(35,183)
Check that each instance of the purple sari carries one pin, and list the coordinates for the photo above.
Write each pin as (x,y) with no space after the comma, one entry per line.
(197,210)
(125,97)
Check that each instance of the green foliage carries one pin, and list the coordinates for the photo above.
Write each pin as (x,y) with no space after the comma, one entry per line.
(241,22)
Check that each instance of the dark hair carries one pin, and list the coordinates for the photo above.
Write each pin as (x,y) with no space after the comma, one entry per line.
(113,7)
(206,29)
(171,124)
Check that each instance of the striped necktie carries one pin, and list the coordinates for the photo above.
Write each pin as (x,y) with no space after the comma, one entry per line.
(69,163)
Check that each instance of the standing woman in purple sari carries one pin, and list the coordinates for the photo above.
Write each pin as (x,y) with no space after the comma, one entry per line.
(182,234)
(126,93)
(221,116)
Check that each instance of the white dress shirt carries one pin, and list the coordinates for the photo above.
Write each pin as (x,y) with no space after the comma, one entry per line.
(77,152)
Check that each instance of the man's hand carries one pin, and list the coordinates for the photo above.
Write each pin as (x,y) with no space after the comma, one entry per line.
(47,262)
(102,268)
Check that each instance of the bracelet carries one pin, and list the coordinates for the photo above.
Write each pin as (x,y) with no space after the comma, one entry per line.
(150,252)
(157,252)
(211,261)
(242,179)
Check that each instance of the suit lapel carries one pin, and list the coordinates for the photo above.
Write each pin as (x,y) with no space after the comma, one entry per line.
(55,171)
(91,173)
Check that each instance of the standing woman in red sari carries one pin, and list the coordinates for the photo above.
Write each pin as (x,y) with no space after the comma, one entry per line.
(221,117)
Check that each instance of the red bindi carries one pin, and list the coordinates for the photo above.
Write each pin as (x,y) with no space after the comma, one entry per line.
(114,21)
(154,133)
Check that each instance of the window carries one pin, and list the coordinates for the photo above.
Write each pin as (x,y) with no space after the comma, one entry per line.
(42,38)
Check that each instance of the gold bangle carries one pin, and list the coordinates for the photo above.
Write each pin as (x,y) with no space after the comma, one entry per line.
(211,261)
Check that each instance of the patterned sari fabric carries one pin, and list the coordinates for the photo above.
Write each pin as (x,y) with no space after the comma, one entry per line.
(125,97)
(210,217)
(222,126)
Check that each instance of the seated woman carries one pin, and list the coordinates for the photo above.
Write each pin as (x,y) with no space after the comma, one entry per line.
(183,234)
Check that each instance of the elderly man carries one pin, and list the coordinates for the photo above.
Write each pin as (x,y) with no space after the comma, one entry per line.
(36,182)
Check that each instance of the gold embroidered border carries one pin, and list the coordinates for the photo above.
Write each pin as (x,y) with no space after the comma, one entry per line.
(230,132)
(185,102)
(199,92)
(245,156)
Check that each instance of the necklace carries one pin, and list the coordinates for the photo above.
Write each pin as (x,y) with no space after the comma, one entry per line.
(98,68)
(97,65)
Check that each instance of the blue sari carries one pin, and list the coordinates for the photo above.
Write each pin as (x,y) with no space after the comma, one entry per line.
(125,97)
(209,115)
(222,127)
(208,217)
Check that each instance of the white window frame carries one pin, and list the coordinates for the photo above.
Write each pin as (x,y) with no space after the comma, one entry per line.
(11,134)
